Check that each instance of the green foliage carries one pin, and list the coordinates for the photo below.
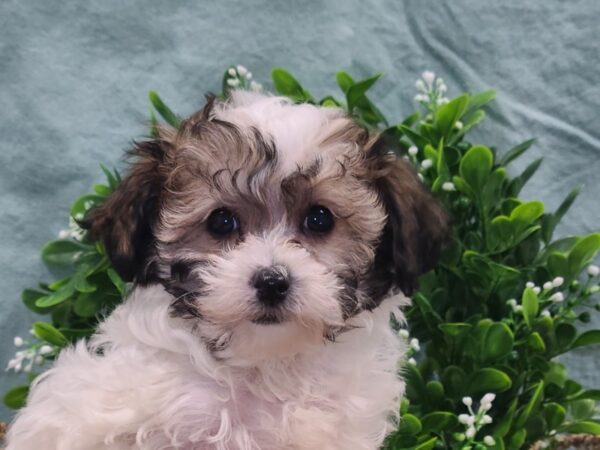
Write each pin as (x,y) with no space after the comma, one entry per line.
(492,316)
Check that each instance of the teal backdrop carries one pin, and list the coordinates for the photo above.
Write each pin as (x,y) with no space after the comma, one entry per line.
(74,78)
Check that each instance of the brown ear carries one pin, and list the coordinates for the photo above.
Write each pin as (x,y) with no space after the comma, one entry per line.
(416,223)
(125,222)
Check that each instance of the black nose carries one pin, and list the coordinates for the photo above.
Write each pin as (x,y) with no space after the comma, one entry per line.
(271,285)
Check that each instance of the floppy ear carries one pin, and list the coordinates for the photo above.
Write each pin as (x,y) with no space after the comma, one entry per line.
(416,223)
(125,222)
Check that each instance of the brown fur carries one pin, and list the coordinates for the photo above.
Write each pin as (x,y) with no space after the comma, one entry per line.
(388,227)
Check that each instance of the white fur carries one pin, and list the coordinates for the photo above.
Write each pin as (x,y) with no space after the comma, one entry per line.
(148,381)
(156,387)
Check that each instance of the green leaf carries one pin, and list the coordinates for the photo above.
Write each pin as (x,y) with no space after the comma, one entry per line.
(515,152)
(532,405)
(344,80)
(112,180)
(582,409)
(30,297)
(530,306)
(84,203)
(415,137)
(557,374)
(497,342)
(478,100)
(488,380)
(583,252)
(427,445)
(453,379)
(525,215)
(554,414)
(48,333)
(117,281)
(593,394)
(475,167)
(517,439)
(286,84)
(89,304)
(582,427)
(565,333)
(409,425)
(536,343)
(357,90)
(517,184)
(550,221)
(62,294)
(447,115)
(62,252)
(16,397)
(437,422)
(163,110)
(454,329)
(591,337)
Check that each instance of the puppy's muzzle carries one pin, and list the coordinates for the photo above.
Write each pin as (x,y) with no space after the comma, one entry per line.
(272,285)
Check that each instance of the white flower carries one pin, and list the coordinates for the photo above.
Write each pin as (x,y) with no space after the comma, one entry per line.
(421,177)
(232,72)
(512,303)
(558,281)
(426,163)
(412,361)
(537,290)
(464,418)
(39,360)
(470,433)
(233,82)
(63,234)
(593,270)
(18,341)
(403,333)
(545,313)
(518,309)
(241,70)
(45,349)
(421,98)
(406,158)
(439,82)
(548,285)
(486,419)
(256,87)
(530,284)
(458,125)
(413,150)
(488,398)
(448,186)
(489,441)
(420,86)
(467,401)
(249,76)
(414,344)
(443,101)
(442,88)
(557,297)
(428,76)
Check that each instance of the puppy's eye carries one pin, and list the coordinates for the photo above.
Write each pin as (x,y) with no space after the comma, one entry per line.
(222,222)
(318,219)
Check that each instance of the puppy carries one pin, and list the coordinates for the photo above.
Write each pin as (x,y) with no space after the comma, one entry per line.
(265,241)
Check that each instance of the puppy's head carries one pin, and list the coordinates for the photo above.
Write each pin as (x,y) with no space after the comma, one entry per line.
(270,223)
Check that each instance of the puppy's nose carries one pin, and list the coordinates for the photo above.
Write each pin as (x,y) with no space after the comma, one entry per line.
(272,284)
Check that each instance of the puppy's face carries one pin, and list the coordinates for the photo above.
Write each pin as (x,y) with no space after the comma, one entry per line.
(271,224)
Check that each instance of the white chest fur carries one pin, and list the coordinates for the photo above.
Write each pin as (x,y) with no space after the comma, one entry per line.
(157,387)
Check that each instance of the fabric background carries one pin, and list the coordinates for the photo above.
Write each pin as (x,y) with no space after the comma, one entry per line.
(74,78)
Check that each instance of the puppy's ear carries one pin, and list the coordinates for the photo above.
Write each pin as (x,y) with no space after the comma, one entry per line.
(416,223)
(124,223)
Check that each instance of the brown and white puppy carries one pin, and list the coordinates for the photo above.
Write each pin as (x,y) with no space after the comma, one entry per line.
(264,240)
